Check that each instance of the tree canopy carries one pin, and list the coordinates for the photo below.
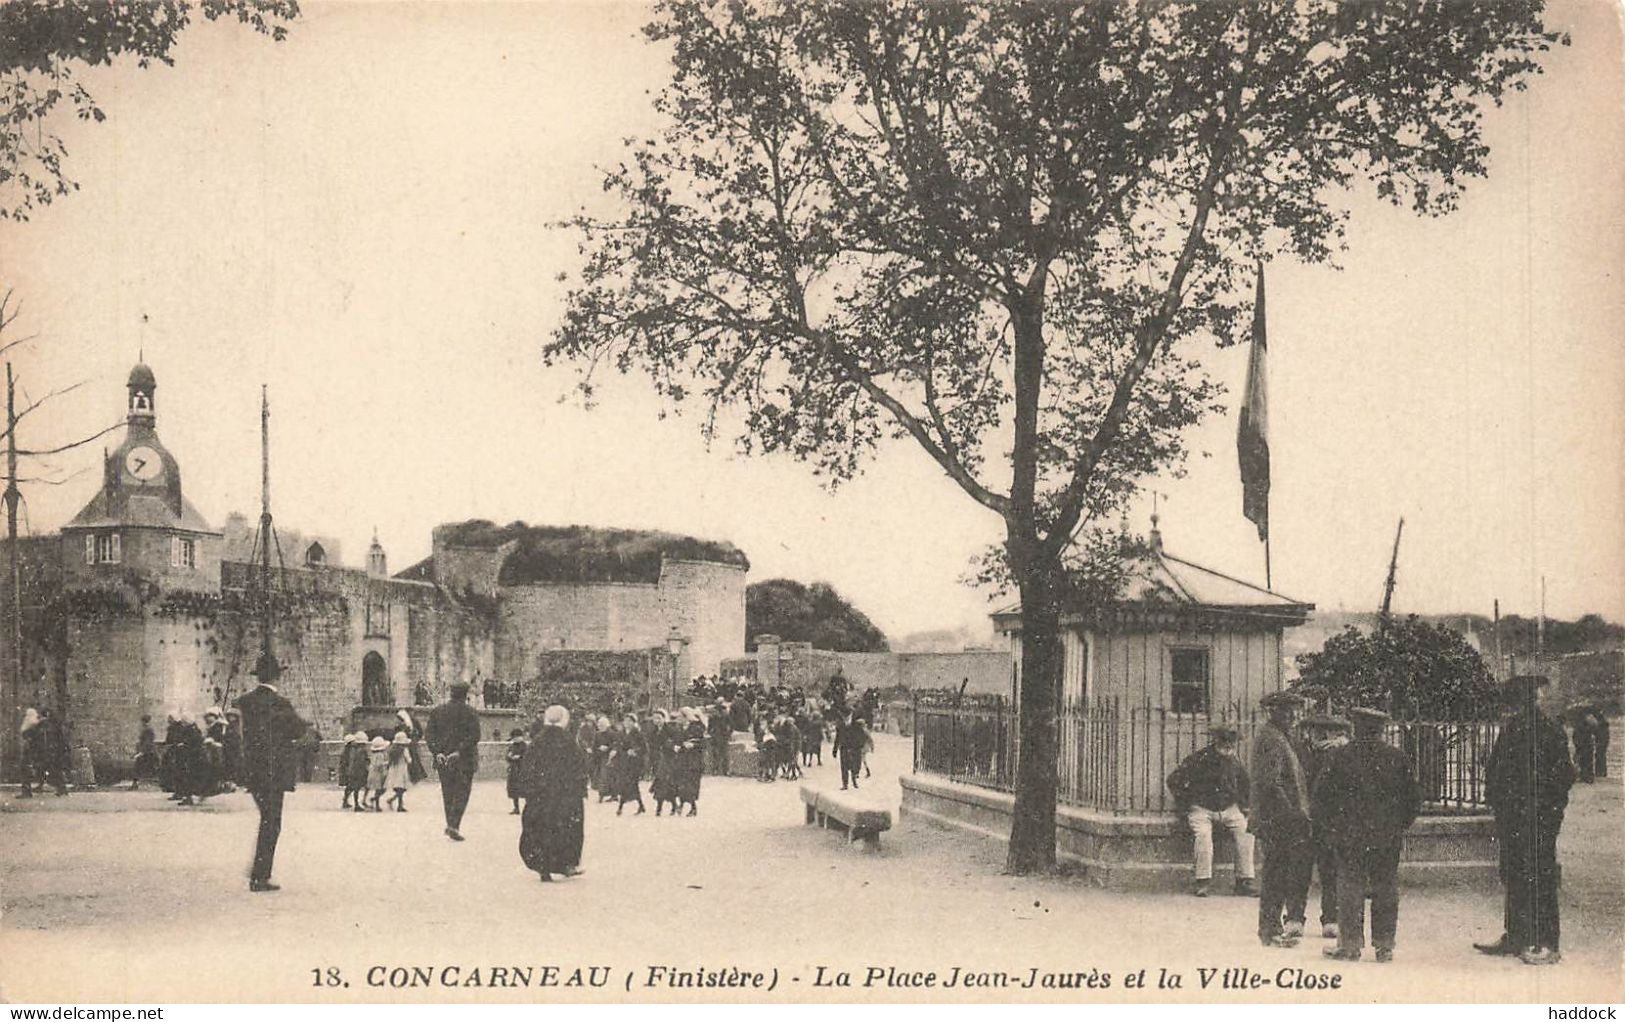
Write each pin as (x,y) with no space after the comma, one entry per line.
(1003,232)
(1409,667)
(45,46)
(808,613)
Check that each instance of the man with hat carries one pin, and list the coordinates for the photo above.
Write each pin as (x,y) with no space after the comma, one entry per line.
(454,738)
(1280,821)
(1323,735)
(270,728)
(1527,783)
(1365,800)
(1210,787)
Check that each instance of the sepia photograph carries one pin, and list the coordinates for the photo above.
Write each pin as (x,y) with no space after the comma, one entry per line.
(1101,502)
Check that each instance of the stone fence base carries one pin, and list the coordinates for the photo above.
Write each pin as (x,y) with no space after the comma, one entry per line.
(1154,851)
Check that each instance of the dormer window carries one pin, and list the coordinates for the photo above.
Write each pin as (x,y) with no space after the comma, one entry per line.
(103,548)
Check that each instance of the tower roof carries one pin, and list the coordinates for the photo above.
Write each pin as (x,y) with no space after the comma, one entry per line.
(141,376)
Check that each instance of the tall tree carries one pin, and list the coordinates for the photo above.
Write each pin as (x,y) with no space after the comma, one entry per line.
(44,46)
(1410,667)
(1002,230)
(802,613)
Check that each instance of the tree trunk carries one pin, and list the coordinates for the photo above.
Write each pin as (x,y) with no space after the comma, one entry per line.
(1032,831)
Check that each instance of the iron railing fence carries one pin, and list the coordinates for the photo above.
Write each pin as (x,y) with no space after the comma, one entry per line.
(1116,757)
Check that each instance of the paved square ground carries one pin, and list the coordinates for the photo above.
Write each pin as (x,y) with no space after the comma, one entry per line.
(117,896)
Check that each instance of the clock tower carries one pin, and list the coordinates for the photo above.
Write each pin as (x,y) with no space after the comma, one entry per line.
(140,521)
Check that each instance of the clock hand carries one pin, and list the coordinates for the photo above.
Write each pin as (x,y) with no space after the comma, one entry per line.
(140,463)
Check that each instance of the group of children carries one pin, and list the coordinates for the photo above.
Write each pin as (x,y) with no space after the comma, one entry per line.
(370,766)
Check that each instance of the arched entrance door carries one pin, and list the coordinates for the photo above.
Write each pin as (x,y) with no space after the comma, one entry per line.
(374,681)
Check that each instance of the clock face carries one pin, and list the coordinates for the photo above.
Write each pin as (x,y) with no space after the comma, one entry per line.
(144,464)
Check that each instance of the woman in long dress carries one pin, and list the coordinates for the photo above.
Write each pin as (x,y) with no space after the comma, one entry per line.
(553,778)
(668,740)
(626,765)
(691,759)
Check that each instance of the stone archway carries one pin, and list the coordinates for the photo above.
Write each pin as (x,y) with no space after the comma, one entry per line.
(375,689)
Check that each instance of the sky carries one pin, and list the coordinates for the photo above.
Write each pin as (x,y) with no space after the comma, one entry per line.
(361,218)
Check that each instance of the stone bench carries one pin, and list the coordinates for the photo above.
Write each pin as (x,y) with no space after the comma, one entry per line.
(861,822)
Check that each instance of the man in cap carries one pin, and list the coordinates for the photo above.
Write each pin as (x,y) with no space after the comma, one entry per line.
(1323,735)
(1366,798)
(1527,783)
(1210,787)
(454,738)
(1280,821)
(270,728)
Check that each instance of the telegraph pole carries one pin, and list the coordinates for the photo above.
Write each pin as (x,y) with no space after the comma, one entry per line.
(12,497)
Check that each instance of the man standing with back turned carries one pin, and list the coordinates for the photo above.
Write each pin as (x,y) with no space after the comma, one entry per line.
(270,727)
(454,738)
(1527,785)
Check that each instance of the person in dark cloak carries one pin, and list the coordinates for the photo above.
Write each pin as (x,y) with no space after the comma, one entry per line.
(668,742)
(598,764)
(851,742)
(405,724)
(789,736)
(1599,742)
(626,765)
(720,726)
(690,759)
(1527,782)
(189,761)
(167,761)
(812,737)
(739,713)
(515,756)
(55,757)
(553,781)
(146,753)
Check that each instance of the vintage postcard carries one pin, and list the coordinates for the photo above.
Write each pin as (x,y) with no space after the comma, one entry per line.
(1101,502)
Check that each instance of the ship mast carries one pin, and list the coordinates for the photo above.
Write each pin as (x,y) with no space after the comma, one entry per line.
(267,537)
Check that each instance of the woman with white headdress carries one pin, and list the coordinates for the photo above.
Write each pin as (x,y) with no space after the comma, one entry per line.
(691,759)
(553,779)
(405,725)
(33,758)
(668,740)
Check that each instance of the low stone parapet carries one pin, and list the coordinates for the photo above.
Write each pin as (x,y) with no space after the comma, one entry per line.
(1154,851)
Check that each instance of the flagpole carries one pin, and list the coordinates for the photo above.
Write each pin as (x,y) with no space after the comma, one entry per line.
(1268,584)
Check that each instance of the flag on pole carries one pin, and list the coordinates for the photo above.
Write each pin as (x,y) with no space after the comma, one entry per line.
(1253,433)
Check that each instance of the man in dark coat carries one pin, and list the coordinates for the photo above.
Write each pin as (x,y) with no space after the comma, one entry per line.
(1210,787)
(146,753)
(851,742)
(720,726)
(1322,737)
(454,738)
(56,759)
(739,713)
(1527,783)
(1365,800)
(270,762)
(1280,822)
(553,781)
(1599,742)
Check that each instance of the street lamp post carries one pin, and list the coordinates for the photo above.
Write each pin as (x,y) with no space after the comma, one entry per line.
(674,646)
